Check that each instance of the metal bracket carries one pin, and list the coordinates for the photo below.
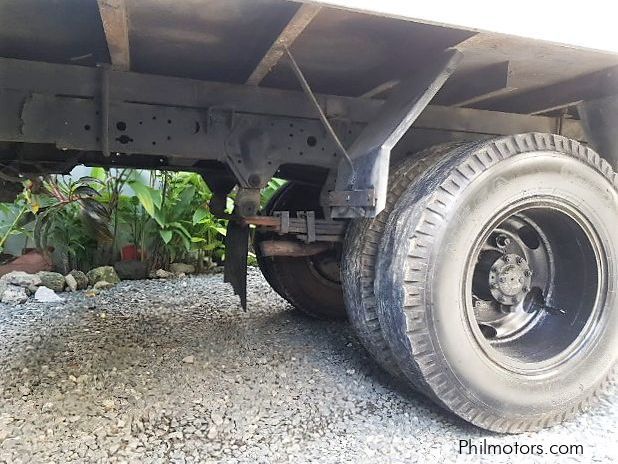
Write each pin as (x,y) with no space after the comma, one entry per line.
(600,119)
(309,217)
(352,198)
(285,221)
(370,152)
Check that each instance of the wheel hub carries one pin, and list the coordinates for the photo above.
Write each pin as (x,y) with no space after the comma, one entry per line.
(510,278)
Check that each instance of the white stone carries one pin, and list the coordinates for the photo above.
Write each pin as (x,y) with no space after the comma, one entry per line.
(46,295)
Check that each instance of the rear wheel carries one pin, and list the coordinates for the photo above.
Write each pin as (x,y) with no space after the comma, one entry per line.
(311,284)
(361,249)
(495,281)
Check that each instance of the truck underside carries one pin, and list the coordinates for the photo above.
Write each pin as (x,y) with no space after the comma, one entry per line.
(347,106)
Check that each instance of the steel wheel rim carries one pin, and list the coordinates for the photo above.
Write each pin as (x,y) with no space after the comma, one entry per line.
(528,345)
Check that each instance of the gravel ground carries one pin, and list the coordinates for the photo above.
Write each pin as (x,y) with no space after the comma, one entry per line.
(174,371)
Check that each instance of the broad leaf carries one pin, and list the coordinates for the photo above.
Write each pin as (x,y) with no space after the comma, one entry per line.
(166,235)
(145,197)
(199,215)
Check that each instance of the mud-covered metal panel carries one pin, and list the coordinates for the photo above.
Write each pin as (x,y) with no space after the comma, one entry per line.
(60,31)
(204,39)
(347,53)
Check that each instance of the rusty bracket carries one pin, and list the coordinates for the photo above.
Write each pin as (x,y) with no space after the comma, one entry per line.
(305,227)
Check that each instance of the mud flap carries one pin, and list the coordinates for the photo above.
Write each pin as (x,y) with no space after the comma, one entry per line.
(235,268)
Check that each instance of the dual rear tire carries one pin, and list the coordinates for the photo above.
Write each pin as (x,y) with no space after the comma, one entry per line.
(488,283)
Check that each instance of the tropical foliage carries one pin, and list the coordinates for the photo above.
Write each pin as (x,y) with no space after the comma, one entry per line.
(165,216)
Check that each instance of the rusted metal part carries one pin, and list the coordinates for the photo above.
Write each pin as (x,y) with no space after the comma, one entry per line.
(371,151)
(116,27)
(304,227)
(293,248)
(290,33)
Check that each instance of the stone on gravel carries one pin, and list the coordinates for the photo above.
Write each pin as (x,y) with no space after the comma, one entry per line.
(131,270)
(106,273)
(14,295)
(46,295)
(21,279)
(52,280)
(163,274)
(103,285)
(81,279)
(189,360)
(182,268)
(216,419)
(71,282)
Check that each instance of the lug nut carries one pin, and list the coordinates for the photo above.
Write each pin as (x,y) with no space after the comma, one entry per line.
(527,273)
(519,260)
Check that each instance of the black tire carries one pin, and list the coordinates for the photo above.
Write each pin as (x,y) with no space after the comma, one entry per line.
(360,252)
(556,201)
(305,283)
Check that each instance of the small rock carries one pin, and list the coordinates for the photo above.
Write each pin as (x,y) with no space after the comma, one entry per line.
(163,274)
(216,418)
(47,407)
(212,433)
(71,282)
(103,285)
(3,287)
(182,268)
(47,295)
(80,278)
(106,273)
(131,270)
(109,405)
(14,295)
(189,360)
(24,390)
(21,279)
(52,280)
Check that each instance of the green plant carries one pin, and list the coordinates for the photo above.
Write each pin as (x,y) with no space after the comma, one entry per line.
(271,188)
(14,220)
(71,217)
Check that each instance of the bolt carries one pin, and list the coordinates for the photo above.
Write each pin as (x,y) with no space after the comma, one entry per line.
(527,273)
(502,241)
(494,285)
(502,280)
(507,259)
